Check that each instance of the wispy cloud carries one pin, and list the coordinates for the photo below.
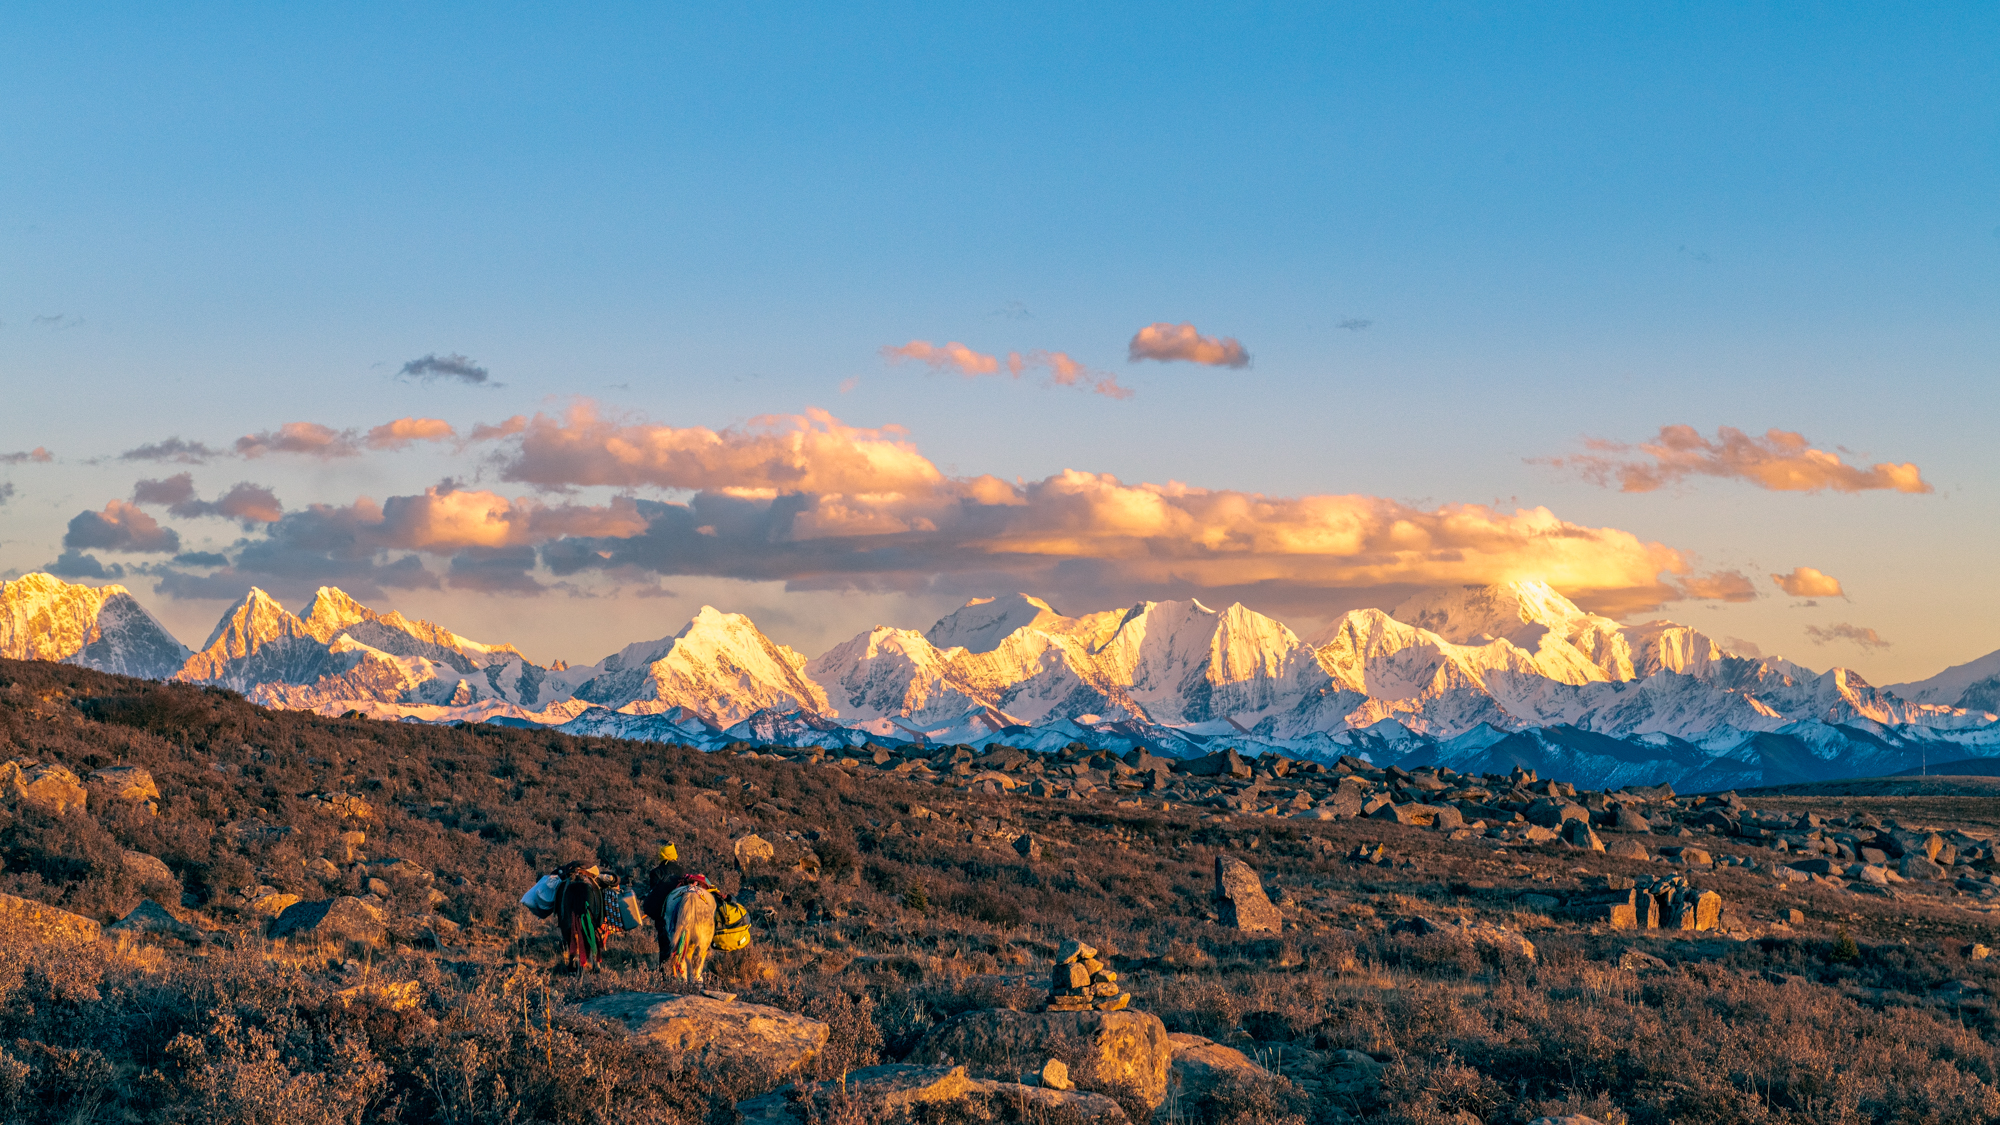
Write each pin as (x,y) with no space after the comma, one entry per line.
(1781,461)
(1722,586)
(1170,342)
(1064,370)
(120,527)
(1805,582)
(307,438)
(1866,638)
(247,503)
(432,367)
(37,455)
(175,450)
(952,356)
(6,491)
(1357,324)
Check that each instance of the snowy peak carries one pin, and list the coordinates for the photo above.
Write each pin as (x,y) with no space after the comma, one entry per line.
(1522,611)
(333,614)
(719,666)
(1974,685)
(257,642)
(981,624)
(44,618)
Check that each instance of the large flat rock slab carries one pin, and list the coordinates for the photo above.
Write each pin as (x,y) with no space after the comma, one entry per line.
(47,924)
(1124,1048)
(704,1031)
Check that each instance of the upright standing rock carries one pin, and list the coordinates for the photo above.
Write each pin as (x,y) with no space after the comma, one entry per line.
(1241,895)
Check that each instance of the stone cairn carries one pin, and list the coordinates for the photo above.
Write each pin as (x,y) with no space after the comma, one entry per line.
(1082,982)
(1675,904)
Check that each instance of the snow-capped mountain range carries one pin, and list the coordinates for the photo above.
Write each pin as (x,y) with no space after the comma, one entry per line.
(1474,676)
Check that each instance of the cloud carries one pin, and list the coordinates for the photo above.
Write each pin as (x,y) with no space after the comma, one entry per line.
(76,564)
(1064,371)
(308,438)
(1740,647)
(1781,461)
(1356,324)
(400,433)
(1866,638)
(813,452)
(6,491)
(1805,582)
(848,384)
(814,502)
(1169,342)
(173,449)
(432,367)
(120,527)
(950,356)
(497,570)
(201,558)
(819,504)
(37,455)
(176,489)
(250,504)
(1723,586)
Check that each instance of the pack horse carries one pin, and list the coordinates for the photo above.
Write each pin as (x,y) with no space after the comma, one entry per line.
(690,918)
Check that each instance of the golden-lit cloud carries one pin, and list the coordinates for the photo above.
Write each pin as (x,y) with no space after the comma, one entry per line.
(1805,582)
(37,456)
(1170,342)
(1722,586)
(942,357)
(121,526)
(1781,461)
(810,452)
(1064,370)
(307,438)
(812,501)
(402,432)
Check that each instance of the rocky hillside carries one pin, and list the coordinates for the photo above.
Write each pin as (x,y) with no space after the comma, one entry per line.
(223,912)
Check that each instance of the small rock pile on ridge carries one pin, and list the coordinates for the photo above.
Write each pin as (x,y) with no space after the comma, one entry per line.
(1081,982)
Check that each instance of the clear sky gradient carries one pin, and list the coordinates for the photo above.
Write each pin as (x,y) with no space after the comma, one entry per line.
(1457,241)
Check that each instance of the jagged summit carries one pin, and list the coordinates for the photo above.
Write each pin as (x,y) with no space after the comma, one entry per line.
(982,623)
(104,627)
(1454,668)
(1521,611)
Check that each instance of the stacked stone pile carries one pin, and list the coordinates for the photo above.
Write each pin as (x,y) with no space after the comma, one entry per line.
(1081,982)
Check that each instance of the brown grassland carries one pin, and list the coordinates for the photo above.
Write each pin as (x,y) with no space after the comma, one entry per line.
(908,920)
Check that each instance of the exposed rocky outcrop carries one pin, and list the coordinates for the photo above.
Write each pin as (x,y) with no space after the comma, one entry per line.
(703,1031)
(1128,1049)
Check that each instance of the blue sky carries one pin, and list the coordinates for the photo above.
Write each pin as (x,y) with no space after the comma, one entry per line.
(1558,223)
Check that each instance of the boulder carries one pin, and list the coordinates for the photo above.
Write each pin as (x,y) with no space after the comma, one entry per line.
(1200,1065)
(1577,834)
(1476,933)
(1914,865)
(1054,1075)
(127,783)
(703,1031)
(1241,895)
(47,924)
(1227,763)
(150,917)
(1028,848)
(273,904)
(332,919)
(150,872)
(895,1091)
(1627,849)
(1349,1074)
(1551,812)
(46,786)
(1125,1048)
(1625,818)
(754,849)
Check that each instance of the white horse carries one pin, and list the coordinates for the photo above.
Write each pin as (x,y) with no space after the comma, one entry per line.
(690,919)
